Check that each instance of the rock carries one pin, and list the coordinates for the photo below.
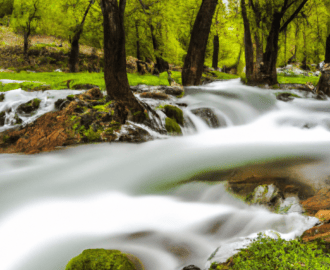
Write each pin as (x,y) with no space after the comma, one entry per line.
(100,259)
(317,232)
(173,91)
(29,107)
(154,95)
(94,93)
(285,97)
(2,118)
(320,201)
(2,97)
(290,205)
(323,215)
(172,126)
(264,194)
(131,64)
(191,267)
(134,134)
(208,116)
(174,113)
(84,86)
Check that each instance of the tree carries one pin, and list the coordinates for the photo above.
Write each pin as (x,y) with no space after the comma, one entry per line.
(193,65)
(115,62)
(324,82)
(26,15)
(271,18)
(74,40)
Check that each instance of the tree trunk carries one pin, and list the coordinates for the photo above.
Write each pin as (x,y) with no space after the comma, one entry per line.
(115,61)
(327,53)
(138,52)
(268,67)
(74,54)
(215,52)
(194,61)
(324,82)
(26,43)
(248,44)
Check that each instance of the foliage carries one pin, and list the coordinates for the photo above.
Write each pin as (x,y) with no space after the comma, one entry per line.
(267,253)
(100,259)
(297,79)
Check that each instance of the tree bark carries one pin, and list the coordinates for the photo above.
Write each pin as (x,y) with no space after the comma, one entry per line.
(26,43)
(194,61)
(215,52)
(74,52)
(115,61)
(248,44)
(327,53)
(138,51)
(268,67)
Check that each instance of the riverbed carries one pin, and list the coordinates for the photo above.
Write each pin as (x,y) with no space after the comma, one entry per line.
(138,198)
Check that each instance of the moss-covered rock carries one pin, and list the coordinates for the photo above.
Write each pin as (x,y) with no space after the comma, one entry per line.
(172,126)
(2,118)
(174,113)
(2,97)
(29,107)
(100,259)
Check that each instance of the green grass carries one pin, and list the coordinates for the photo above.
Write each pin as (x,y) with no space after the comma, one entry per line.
(225,76)
(266,253)
(298,79)
(58,80)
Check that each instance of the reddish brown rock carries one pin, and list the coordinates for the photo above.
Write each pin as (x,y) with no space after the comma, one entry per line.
(320,201)
(322,232)
(323,215)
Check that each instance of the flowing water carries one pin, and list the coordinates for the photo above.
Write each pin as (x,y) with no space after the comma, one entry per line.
(131,197)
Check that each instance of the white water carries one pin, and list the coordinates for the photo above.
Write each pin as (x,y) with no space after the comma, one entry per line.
(127,197)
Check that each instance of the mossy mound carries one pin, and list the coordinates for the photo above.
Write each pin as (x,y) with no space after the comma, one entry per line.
(172,126)
(174,113)
(29,107)
(100,259)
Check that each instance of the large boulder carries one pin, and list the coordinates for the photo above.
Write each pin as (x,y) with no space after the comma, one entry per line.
(29,107)
(101,259)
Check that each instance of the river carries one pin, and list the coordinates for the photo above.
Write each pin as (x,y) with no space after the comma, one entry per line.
(131,196)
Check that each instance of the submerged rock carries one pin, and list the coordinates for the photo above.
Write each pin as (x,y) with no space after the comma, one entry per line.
(29,107)
(101,259)
(208,116)
(191,267)
(2,97)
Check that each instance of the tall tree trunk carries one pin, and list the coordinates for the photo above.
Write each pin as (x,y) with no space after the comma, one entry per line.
(194,61)
(248,44)
(138,52)
(324,82)
(115,61)
(26,43)
(74,52)
(215,52)
(268,67)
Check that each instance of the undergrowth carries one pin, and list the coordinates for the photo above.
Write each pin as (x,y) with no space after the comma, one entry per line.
(266,253)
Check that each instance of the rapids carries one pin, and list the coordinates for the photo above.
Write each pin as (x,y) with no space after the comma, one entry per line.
(131,197)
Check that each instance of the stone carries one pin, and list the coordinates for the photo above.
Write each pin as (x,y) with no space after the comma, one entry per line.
(100,259)
(320,201)
(29,107)
(61,104)
(264,194)
(154,95)
(323,215)
(174,113)
(317,232)
(191,267)
(83,86)
(2,97)
(172,126)
(208,116)
(2,118)
(285,97)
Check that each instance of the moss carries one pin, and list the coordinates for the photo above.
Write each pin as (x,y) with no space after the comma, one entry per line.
(288,93)
(174,113)
(103,108)
(172,126)
(70,97)
(36,103)
(100,259)
(92,135)
(18,120)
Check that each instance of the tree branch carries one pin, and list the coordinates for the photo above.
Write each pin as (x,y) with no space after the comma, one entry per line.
(293,15)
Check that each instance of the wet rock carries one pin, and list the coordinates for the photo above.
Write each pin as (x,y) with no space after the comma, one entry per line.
(317,232)
(135,134)
(2,97)
(264,194)
(321,201)
(191,267)
(83,86)
(100,259)
(17,119)
(323,215)
(208,116)
(172,126)
(174,113)
(29,107)
(285,97)
(320,96)
(173,91)
(289,205)
(94,93)
(154,95)
(60,104)
(2,118)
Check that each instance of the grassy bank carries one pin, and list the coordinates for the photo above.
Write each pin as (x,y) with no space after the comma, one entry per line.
(61,80)
(298,79)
